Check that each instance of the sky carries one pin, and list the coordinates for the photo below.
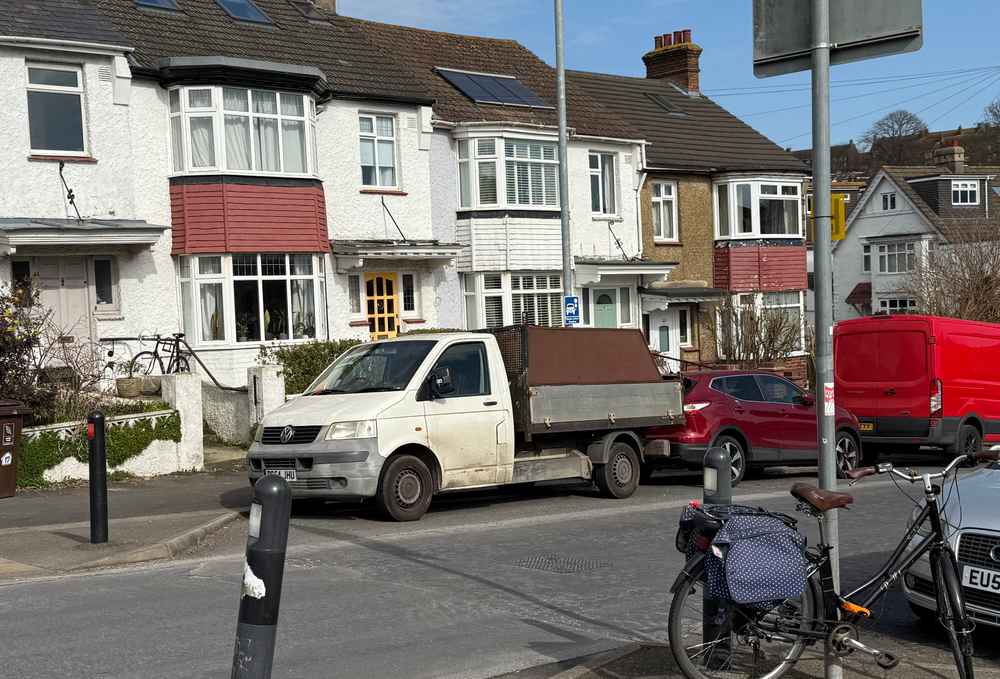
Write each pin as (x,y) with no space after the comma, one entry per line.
(947,83)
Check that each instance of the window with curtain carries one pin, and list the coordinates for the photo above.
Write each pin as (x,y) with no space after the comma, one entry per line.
(758,208)
(536,299)
(602,183)
(237,129)
(378,150)
(788,304)
(532,173)
(665,211)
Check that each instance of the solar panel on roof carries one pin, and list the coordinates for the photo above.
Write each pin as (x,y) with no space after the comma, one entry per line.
(161,4)
(244,10)
(492,89)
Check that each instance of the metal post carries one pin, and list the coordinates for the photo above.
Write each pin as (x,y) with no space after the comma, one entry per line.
(717,489)
(97,458)
(260,595)
(567,244)
(823,265)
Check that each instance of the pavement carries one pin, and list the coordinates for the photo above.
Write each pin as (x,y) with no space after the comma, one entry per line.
(530,583)
(47,532)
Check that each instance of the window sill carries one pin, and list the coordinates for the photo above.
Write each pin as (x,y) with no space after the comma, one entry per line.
(358,324)
(606,218)
(413,321)
(113,316)
(665,241)
(385,192)
(43,158)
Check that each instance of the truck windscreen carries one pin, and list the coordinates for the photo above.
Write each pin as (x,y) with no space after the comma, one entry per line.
(382,366)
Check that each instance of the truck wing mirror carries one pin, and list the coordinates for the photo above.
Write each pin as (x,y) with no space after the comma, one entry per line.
(441,384)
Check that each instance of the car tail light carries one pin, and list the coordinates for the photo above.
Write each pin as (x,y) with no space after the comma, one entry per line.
(695,407)
(936,398)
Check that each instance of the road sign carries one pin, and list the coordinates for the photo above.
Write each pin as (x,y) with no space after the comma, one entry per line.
(571,310)
(859,29)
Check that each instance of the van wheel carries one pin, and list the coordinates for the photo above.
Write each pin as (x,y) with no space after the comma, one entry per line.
(968,441)
(620,476)
(848,454)
(404,493)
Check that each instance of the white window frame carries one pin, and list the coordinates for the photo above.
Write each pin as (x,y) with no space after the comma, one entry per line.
(114,309)
(906,249)
(787,190)
(519,152)
(866,259)
(757,300)
(511,285)
(588,305)
(605,191)
(356,296)
(885,305)
(661,205)
(470,168)
(227,278)
(685,329)
(61,89)
(375,138)
(218,113)
(888,201)
(413,313)
(968,186)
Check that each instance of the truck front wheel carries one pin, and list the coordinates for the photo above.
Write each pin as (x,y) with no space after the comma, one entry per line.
(620,476)
(404,493)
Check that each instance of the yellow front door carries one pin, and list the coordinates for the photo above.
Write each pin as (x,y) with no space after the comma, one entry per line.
(383,305)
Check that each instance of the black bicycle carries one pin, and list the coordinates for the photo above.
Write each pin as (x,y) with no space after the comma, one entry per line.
(711,639)
(172,360)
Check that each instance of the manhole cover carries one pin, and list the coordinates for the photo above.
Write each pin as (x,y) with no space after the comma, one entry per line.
(553,563)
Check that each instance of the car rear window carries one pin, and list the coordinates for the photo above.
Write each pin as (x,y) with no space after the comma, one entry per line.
(742,387)
(689,384)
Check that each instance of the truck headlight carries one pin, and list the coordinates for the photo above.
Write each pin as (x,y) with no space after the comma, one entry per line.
(259,434)
(361,429)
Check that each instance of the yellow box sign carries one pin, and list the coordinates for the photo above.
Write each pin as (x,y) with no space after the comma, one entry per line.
(838,216)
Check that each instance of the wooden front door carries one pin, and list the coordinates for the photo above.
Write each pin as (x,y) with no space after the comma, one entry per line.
(383,305)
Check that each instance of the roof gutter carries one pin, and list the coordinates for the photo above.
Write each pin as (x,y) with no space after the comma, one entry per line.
(64,45)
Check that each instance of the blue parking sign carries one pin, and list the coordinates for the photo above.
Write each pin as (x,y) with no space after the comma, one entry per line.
(571,309)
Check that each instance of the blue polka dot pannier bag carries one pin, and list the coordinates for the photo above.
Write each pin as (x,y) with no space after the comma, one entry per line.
(756,559)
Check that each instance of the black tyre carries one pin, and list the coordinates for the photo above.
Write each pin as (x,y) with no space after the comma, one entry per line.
(968,441)
(735,648)
(848,453)
(181,365)
(146,363)
(405,490)
(620,476)
(951,613)
(738,460)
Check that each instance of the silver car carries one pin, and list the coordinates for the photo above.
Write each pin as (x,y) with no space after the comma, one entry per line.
(973,512)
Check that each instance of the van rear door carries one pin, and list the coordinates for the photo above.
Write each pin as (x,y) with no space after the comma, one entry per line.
(858,386)
(904,407)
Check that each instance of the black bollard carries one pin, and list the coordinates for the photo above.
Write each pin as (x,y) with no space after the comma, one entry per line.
(716,615)
(98,460)
(260,595)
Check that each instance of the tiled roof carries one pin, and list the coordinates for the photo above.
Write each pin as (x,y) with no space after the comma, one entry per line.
(354,67)
(76,20)
(861,294)
(953,229)
(687,132)
(422,51)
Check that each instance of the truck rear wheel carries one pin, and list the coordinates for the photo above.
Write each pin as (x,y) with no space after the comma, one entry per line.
(620,476)
(405,491)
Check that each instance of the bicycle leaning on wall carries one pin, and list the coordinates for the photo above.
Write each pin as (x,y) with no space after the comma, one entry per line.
(172,359)
(712,638)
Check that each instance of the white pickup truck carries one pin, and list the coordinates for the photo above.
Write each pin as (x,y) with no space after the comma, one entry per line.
(404,419)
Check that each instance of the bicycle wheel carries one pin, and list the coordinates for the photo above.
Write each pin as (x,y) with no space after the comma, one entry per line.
(952,615)
(181,365)
(739,643)
(146,363)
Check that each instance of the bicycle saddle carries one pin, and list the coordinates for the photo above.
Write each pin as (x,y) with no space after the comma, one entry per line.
(178,335)
(819,499)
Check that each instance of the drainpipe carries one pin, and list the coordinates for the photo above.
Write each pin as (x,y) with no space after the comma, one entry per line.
(986,195)
(638,209)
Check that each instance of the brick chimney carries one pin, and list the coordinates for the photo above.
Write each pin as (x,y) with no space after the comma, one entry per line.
(674,58)
(951,156)
(326,5)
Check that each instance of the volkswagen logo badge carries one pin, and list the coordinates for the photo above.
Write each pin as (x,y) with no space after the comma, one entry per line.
(995,553)
(287,434)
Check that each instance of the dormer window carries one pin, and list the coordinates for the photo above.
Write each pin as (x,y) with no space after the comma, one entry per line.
(242,131)
(965,192)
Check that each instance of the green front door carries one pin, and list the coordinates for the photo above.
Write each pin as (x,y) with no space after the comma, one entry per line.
(606,308)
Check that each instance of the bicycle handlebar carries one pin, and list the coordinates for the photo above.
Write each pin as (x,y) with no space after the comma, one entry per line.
(856,475)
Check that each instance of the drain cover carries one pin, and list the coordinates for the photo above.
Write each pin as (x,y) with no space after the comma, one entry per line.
(553,563)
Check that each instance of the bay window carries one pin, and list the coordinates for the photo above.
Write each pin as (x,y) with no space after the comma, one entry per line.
(530,172)
(897,257)
(477,171)
(757,209)
(736,329)
(243,298)
(493,300)
(241,130)
(602,183)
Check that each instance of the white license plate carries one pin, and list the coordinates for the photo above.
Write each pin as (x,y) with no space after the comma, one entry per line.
(980,578)
(286,474)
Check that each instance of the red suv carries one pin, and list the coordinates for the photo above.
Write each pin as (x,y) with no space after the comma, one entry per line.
(761,419)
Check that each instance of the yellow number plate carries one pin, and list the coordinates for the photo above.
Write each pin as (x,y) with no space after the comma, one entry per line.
(867,426)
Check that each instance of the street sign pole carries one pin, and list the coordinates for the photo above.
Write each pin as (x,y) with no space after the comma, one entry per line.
(823,261)
(567,245)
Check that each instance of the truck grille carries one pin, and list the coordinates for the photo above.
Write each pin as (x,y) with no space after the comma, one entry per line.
(310,484)
(974,549)
(304,434)
(279,462)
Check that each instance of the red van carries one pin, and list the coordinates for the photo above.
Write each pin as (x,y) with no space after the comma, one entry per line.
(920,380)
